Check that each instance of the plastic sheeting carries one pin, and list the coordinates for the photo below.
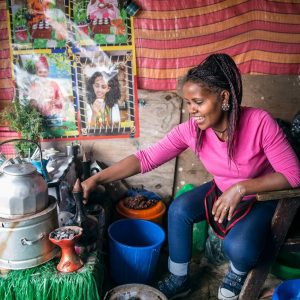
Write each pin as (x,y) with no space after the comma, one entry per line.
(74,62)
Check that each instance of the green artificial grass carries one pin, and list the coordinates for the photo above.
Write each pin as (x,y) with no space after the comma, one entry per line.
(46,283)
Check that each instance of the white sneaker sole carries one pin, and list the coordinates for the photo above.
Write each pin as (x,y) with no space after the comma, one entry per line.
(222,297)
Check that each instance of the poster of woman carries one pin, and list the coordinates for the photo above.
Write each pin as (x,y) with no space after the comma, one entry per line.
(38,24)
(45,81)
(106,98)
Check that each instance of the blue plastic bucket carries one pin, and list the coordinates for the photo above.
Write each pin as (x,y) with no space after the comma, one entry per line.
(288,290)
(134,249)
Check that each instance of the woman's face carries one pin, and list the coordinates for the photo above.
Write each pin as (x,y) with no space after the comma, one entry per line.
(205,106)
(100,87)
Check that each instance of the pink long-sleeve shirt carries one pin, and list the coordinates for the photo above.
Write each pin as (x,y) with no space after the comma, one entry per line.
(261,148)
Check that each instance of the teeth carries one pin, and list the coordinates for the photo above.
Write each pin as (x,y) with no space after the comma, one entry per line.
(199,118)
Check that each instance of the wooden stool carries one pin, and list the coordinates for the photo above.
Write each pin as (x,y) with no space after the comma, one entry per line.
(288,204)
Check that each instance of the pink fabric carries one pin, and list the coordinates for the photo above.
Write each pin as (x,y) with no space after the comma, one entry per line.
(262,148)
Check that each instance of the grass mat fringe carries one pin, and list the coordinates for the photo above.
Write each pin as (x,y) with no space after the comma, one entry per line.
(46,283)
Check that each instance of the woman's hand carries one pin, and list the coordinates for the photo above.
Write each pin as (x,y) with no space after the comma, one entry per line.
(88,186)
(98,106)
(126,167)
(227,203)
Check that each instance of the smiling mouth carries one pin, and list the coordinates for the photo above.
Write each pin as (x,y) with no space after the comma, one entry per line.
(199,119)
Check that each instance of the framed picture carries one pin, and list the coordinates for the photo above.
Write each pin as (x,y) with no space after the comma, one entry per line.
(106,99)
(38,24)
(100,22)
(45,81)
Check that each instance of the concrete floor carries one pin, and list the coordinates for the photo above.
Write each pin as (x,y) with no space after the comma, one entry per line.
(206,279)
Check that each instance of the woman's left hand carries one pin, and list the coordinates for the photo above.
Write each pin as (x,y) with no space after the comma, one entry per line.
(226,204)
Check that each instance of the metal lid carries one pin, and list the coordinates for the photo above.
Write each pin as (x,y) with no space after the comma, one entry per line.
(19,169)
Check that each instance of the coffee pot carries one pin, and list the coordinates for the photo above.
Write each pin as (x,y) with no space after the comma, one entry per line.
(23,190)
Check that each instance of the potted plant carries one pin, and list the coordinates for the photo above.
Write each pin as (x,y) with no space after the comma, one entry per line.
(25,120)
(20,24)
(80,17)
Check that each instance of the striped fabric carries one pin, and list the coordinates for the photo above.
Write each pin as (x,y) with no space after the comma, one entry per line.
(171,36)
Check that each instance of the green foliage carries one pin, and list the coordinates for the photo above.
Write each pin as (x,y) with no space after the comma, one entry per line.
(25,120)
(19,19)
(61,62)
(30,66)
(80,14)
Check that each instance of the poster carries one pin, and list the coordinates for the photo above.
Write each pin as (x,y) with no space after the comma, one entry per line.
(100,22)
(54,56)
(38,24)
(45,81)
(106,94)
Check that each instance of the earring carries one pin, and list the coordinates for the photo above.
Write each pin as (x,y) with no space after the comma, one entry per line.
(225,106)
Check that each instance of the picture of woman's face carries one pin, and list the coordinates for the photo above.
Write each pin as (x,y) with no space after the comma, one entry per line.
(100,87)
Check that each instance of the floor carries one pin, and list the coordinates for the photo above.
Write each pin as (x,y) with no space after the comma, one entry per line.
(206,278)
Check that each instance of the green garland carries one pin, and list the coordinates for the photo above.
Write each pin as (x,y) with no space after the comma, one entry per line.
(46,283)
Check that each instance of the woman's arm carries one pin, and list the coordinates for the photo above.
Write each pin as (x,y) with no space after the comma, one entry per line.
(228,201)
(127,167)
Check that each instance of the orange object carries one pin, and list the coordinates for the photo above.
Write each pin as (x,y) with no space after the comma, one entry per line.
(69,261)
(154,213)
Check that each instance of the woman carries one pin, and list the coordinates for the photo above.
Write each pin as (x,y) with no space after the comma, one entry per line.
(245,151)
(103,96)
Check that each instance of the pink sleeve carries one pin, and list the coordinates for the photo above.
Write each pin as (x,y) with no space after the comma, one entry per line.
(175,142)
(279,152)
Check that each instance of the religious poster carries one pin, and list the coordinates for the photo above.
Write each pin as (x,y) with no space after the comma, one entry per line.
(74,61)
(45,81)
(38,24)
(106,94)
(100,22)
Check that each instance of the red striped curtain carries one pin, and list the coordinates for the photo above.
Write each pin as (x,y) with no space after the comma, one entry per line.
(172,36)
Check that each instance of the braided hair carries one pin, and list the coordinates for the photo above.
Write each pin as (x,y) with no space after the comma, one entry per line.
(219,72)
(111,97)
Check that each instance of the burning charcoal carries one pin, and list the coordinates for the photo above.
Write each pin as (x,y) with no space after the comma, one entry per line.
(63,234)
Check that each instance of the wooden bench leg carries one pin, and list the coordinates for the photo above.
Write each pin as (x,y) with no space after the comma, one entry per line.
(280,226)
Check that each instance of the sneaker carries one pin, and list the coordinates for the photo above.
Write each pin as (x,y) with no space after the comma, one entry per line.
(231,286)
(174,287)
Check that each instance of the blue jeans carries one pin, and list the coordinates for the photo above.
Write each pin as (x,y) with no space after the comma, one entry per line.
(242,245)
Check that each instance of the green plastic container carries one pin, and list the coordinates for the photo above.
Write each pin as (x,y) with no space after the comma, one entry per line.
(287,265)
(199,229)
